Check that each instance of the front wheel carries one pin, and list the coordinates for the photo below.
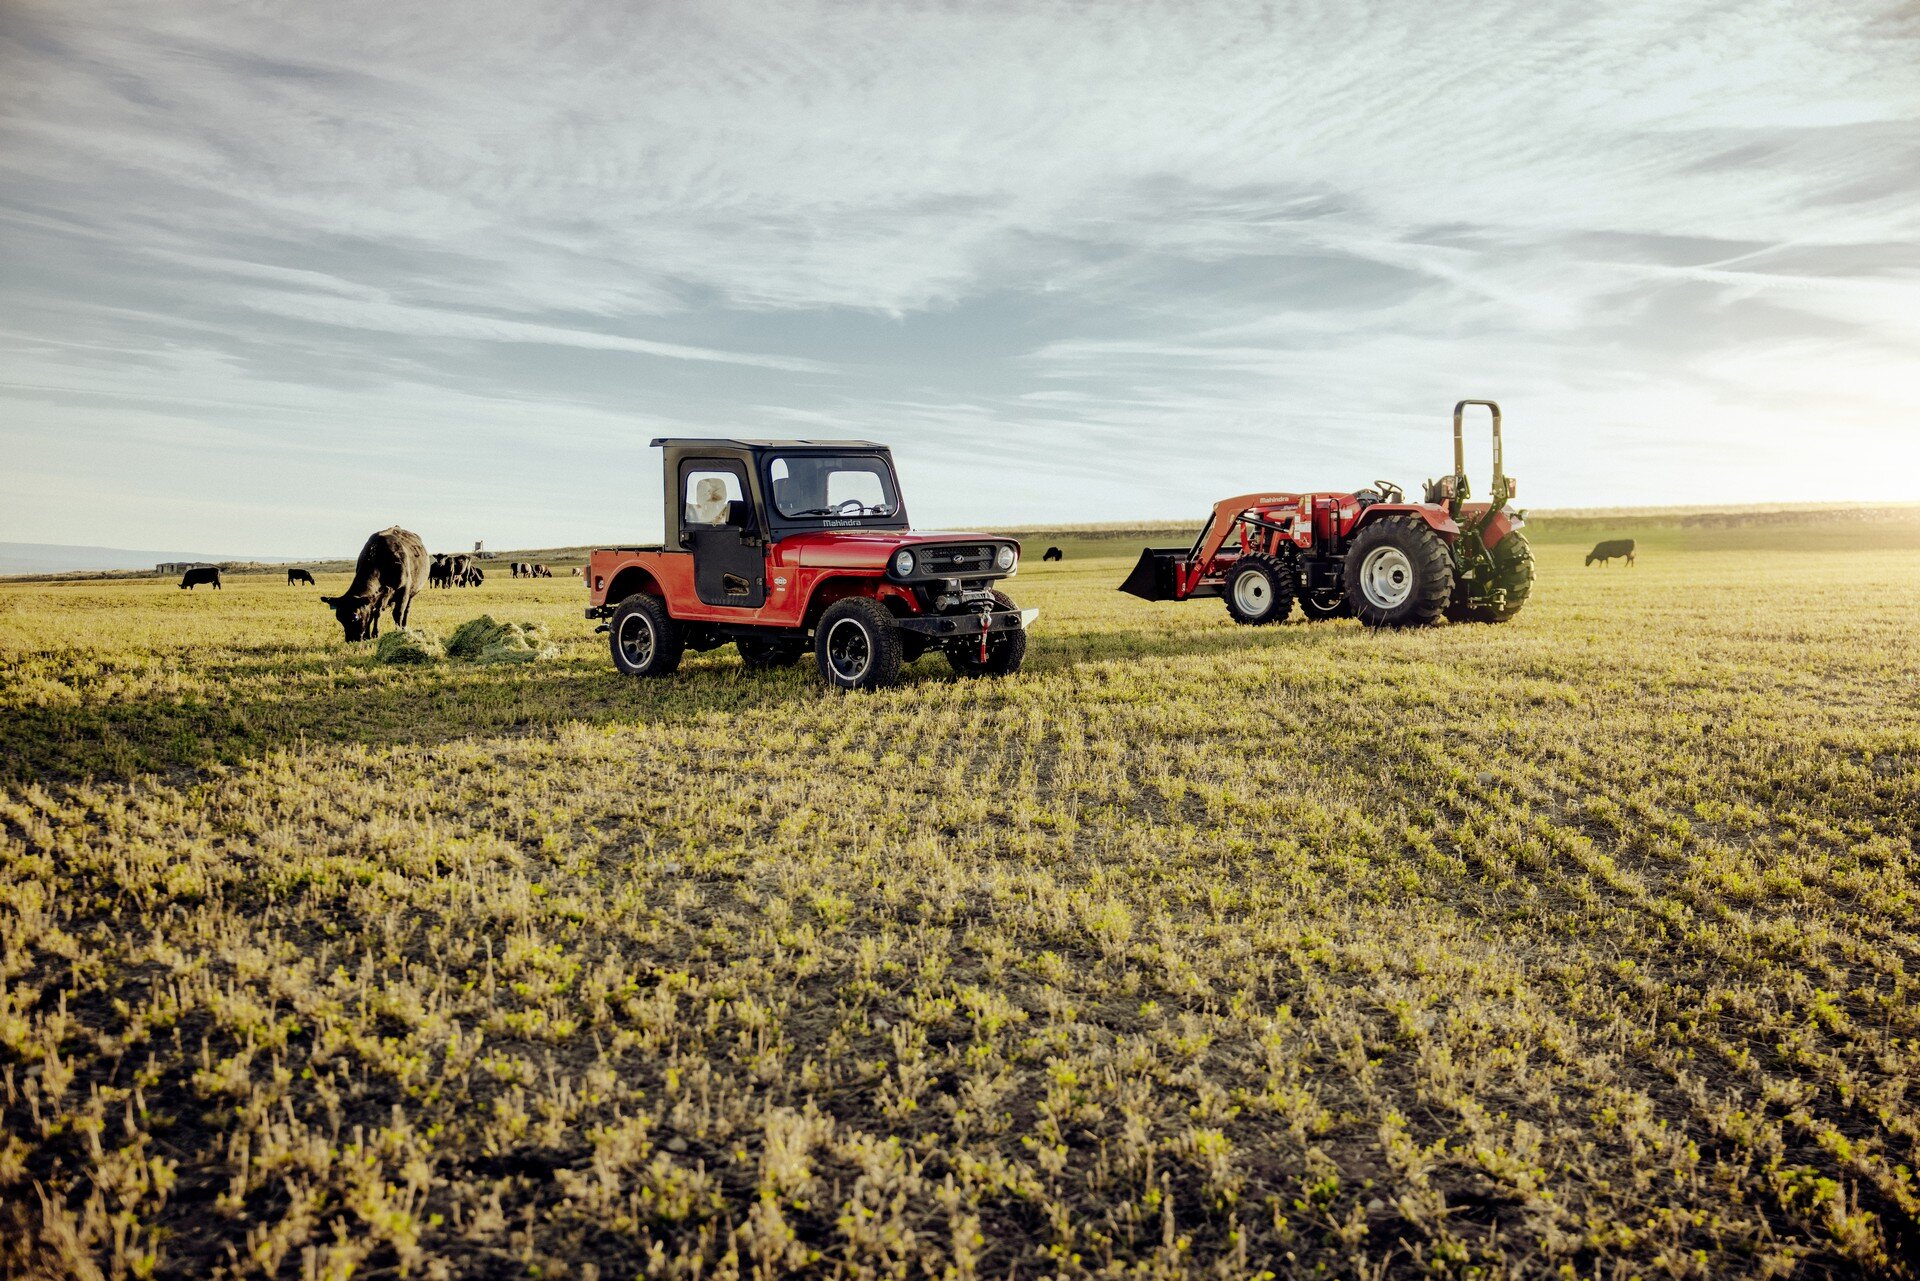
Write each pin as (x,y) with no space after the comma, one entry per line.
(1398,574)
(1005,650)
(857,645)
(644,638)
(1259,591)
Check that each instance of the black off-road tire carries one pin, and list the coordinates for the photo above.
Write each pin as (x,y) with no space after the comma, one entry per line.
(1398,574)
(1259,591)
(1513,570)
(759,655)
(857,645)
(1316,611)
(1005,650)
(644,638)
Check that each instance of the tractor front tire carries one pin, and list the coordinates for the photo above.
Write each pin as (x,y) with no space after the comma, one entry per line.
(644,638)
(1513,571)
(763,655)
(1259,590)
(857,645)
(1398,574)
(1005,650)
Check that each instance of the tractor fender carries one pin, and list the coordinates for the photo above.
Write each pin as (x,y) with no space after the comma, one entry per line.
(1498,525)
(1436,517)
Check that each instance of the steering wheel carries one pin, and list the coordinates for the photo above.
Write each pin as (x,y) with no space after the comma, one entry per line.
(1390,492)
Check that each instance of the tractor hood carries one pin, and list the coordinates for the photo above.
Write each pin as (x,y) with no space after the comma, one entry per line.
(870,548)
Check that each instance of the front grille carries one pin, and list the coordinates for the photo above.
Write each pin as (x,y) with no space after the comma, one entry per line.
(952,562)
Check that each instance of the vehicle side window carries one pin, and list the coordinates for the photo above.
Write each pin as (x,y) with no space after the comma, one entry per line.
(712,496)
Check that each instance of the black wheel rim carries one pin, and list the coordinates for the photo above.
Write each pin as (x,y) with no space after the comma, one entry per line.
(636,640)
(849,650)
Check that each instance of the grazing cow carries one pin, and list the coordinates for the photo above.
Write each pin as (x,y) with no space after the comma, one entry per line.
(1052,553)
(295,576)
(194,577)
(1606,551)
(391,571)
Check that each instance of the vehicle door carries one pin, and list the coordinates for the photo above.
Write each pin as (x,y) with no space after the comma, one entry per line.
(718,525)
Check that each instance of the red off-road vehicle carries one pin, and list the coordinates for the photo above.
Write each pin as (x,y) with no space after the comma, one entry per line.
(778,546)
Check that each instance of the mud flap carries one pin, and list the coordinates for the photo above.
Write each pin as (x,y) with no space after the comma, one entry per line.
(1155,577)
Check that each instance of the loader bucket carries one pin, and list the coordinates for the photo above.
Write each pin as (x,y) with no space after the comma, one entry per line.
(1155,577)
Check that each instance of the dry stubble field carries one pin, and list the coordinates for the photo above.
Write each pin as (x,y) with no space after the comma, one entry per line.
(1579,947)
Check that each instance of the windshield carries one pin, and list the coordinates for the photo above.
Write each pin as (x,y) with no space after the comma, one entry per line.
(845,485)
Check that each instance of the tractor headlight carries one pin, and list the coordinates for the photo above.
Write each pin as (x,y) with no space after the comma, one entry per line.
(1003,560)
(903,563)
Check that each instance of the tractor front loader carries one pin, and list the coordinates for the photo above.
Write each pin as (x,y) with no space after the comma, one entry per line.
(1369,553)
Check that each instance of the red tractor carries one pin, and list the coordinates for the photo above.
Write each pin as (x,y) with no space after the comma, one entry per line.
(1369,554)
(780,546)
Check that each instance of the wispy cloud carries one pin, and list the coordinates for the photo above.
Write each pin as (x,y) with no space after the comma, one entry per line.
(1062,242)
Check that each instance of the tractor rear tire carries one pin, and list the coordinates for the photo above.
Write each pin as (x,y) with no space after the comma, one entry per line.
(857,645)
(1259,590)
(1005,650)
(1398,574)
(763,655)
(1512,570)
(644,638)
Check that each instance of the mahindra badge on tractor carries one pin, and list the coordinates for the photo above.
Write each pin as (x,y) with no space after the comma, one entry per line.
(1369,553)
(781,546)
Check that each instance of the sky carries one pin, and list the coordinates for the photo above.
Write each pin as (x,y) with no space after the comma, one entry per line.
(273,276)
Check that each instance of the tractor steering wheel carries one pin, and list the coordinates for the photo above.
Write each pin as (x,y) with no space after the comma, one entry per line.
(1390,492)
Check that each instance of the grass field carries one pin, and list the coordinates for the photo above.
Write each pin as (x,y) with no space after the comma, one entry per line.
(1579,947)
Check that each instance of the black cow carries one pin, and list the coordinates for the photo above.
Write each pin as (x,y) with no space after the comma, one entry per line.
(194,577)
(391,571)
(299,576)
(1053,553)
(1606,551)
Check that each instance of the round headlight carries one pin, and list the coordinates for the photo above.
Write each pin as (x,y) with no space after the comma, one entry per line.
(1004,559)
(903,563)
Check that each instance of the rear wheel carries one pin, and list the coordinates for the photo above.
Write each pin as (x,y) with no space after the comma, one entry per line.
(1398,574)
(644,638)
(760,655)
(1259,590)
(1512,573)
(857,645)
(1005,650)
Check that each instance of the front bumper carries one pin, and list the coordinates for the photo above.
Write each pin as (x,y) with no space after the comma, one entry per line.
(955,626)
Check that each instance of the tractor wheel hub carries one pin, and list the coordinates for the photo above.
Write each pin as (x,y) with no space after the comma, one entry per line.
(1386,576)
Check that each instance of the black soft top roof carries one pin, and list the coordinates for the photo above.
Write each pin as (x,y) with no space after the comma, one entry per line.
(740,442)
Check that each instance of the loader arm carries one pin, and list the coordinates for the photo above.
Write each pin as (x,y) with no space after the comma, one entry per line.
(1172,573)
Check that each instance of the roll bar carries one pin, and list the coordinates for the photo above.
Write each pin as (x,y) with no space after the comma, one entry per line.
(1459,444)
